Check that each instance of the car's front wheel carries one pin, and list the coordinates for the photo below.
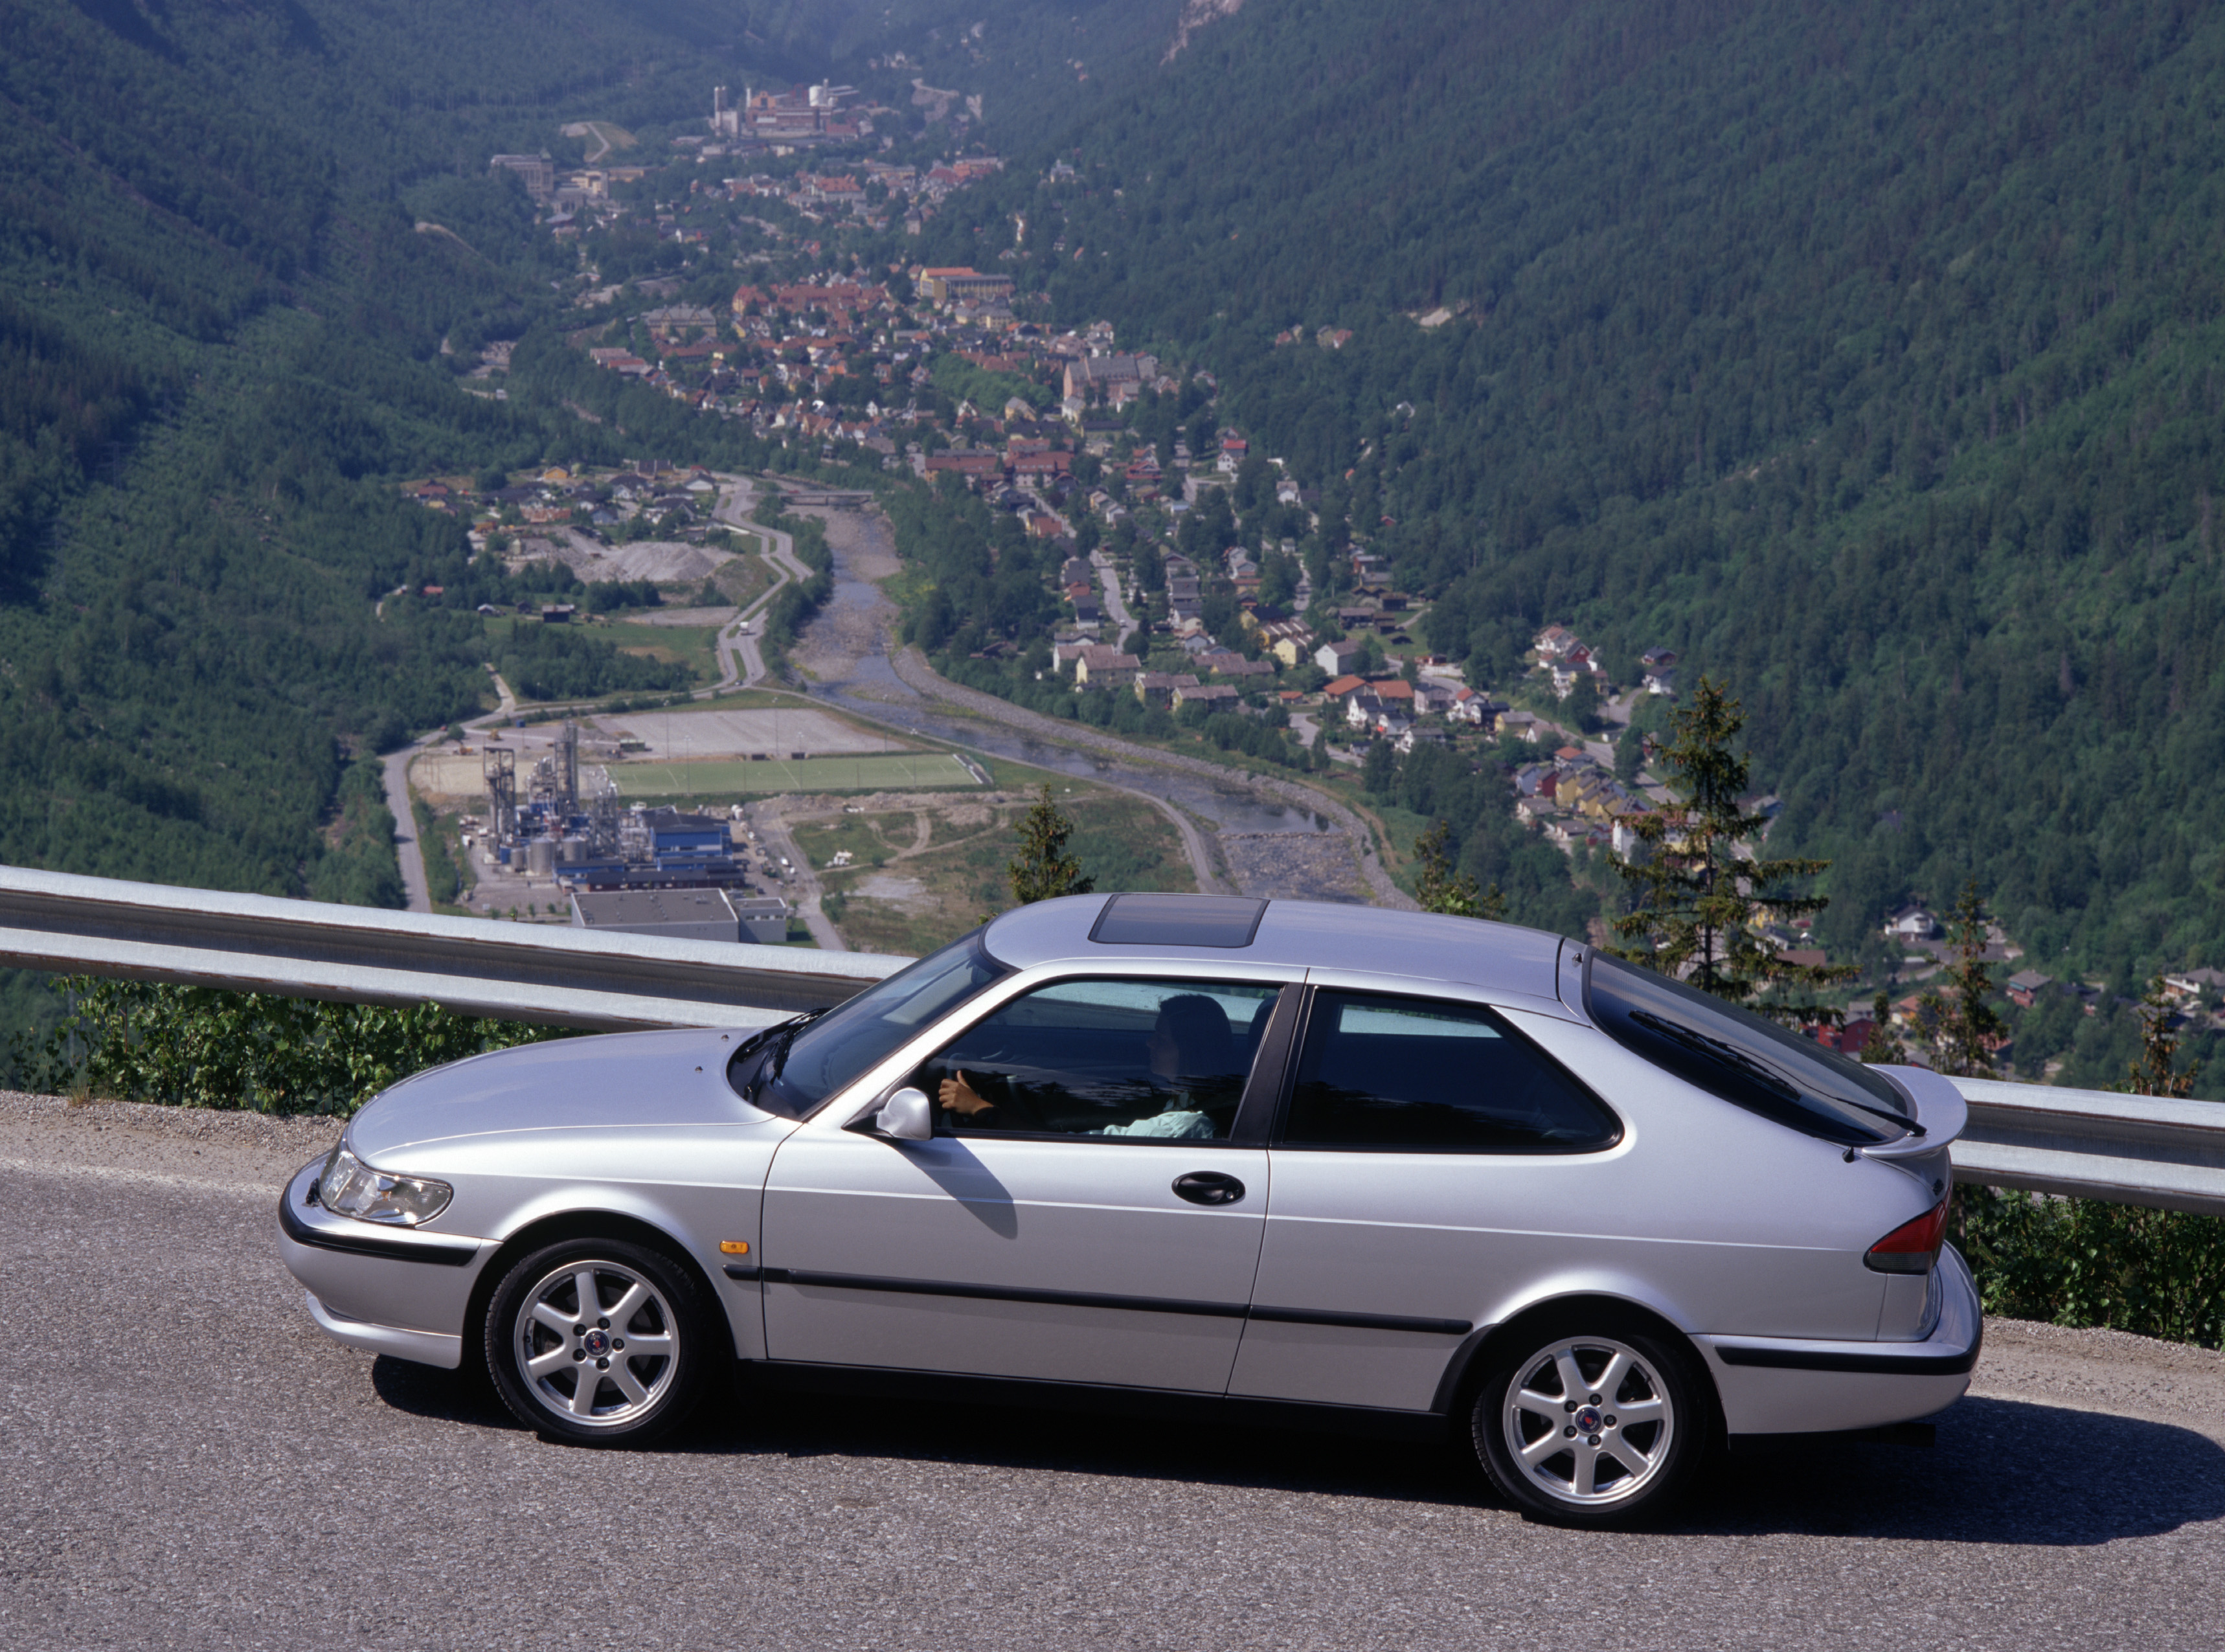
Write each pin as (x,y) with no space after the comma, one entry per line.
(599,1341)
(1591,1419)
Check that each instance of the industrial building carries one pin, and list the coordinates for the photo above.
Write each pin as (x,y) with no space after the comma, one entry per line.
(580,838)
(682,915)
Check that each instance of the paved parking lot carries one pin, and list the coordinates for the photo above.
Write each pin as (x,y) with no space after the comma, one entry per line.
(189,1463)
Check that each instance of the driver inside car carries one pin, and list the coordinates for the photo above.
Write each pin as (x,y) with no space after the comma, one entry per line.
(1191,1056)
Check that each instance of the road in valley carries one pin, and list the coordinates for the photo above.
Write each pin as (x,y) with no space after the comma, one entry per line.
(191,1463)
(416,888)
(801,888)
(741,650)
(415,891)
(1226,820)
(1109,577)
(913,667)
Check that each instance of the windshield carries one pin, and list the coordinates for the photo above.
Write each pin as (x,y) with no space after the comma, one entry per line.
(1746,1059)
(803,1063)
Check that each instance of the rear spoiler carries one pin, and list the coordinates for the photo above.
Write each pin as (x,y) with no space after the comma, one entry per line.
(1940,1110)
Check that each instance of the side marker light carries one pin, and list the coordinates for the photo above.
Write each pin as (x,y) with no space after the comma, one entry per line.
(734,1247)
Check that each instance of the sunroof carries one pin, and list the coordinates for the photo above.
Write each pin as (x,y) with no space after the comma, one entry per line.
(1177,921)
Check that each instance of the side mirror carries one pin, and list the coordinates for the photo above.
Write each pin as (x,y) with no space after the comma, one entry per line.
(907,1115)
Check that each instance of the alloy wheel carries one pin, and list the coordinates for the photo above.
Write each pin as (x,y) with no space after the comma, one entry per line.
(1588,1422)
(597,1344)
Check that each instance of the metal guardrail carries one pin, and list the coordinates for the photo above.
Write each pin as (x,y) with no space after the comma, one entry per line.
(2087,1143)
(307,949)
(2093,1144)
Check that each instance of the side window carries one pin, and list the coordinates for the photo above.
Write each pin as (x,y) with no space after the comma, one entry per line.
(1110,1060)
(1426,1075)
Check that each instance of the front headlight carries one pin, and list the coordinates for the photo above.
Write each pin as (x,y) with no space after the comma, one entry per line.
(350,1187)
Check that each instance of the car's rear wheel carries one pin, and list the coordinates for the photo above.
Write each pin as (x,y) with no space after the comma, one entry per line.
(599,1341)
(1591,1419)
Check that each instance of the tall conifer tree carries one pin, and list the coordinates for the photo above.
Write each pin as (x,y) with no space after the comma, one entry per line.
(1701,885)
(1042,871)
(1965,1027)
(2158,1073)
(1441,887)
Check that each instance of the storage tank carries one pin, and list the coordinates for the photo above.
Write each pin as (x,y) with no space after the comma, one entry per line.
(573,850)
(541,857)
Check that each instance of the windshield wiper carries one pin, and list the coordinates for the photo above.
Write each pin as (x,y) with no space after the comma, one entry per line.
(787,1031)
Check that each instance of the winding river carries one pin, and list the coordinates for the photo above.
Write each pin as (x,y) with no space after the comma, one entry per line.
(846,654)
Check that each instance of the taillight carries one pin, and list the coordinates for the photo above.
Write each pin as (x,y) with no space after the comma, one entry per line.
(1912,1247)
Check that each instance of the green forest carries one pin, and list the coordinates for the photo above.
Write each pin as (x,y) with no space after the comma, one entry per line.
(1868,354)
(222,322)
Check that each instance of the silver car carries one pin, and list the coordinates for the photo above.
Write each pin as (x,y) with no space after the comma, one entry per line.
(1287,1161)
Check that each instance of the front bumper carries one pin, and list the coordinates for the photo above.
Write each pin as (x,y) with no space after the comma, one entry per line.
(397,1291)
(1771,1386)
(424,1347)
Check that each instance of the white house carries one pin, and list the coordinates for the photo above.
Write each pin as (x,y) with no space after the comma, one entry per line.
(1911,923)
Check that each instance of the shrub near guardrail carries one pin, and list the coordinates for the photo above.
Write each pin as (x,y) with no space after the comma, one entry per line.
(197,1047)
(2081,1262)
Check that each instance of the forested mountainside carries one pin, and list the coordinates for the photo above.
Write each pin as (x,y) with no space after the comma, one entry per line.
(1866,353)
(1869,354)
(1034,64)
(221,307)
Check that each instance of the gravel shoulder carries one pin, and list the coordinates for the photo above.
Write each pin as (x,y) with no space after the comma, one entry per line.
(232,1152)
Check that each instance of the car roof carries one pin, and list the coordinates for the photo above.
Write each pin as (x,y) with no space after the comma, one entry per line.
(1500,959)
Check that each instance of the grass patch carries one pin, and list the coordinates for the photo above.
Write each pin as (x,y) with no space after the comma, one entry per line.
(743,580)
(1125,844)
(871,840)
(960,877)
(895,771)
(692,646)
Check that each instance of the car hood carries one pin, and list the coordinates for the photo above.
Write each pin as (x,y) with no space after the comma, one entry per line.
(617,1080)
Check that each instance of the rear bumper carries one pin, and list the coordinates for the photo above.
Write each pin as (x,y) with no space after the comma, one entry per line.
(1772,1385)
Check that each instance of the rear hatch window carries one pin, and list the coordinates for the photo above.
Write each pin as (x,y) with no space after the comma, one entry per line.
(1747,1060)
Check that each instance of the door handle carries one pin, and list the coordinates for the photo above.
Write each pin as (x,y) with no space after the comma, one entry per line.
(1208,1187)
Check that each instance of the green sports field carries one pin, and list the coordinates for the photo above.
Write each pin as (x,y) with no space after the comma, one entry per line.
(895,771)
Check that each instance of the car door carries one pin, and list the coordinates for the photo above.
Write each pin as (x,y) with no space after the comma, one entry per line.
(1083,1213)
(1419,1137)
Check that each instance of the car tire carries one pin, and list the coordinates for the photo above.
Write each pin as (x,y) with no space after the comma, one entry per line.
(1591,1419)
(623,1374)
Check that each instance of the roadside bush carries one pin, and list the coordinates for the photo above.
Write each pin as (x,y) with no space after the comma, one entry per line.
(2079,1262)
(196,1047)
(444,879)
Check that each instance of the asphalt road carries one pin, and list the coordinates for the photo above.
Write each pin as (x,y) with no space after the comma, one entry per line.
(189,1463)
(1124,624)
(747,663)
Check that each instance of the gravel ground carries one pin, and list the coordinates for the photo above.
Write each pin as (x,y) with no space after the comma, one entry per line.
(191,1463)
(1293,865)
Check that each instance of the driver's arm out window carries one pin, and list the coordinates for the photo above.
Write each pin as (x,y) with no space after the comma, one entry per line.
(1105,1060)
